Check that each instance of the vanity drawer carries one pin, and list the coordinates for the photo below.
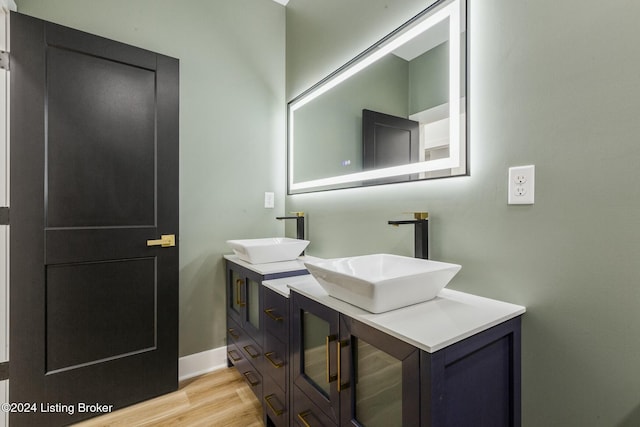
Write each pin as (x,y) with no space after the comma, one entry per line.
(253,379)
(276,363)
(249,373)
(276,314)
(306,413)
(235,334)
(234,355)
(252,352)
(275,403)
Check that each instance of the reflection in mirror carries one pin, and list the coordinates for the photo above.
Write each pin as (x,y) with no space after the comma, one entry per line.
(395,113)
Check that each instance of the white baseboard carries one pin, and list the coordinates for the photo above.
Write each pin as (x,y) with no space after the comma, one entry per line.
(201,363)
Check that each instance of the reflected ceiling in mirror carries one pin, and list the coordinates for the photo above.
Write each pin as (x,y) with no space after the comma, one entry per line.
(395,113)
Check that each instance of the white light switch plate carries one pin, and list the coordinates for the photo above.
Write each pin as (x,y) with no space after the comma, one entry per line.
(522,180)
(269,200)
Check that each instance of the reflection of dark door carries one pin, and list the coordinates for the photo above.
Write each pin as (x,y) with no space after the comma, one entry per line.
(389,141)
(94,175)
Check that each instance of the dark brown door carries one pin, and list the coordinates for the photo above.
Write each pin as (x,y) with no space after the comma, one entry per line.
(389,141)
(94,176)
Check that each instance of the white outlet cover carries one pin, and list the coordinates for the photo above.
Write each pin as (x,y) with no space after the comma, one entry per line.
(522,185)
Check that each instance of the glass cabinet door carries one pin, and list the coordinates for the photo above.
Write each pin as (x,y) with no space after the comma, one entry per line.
(244,299)
(314,344)
(378,386)
(383,378)
(253,306)
(315,335)
(235,294)
(253,303)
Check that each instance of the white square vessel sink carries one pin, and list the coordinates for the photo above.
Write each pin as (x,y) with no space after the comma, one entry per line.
(382,282)
(271,249)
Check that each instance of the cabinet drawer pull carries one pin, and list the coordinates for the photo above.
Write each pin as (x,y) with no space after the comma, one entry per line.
(276,364)
(251,351)
(275,317)
(339,346)
(239,302)
(268,399)
(233,333)
(328,339)
(302,417)
(232,357)
(251,383)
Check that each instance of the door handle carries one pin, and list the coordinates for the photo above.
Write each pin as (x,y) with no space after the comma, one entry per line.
(328,339)
(255,381)
(339,346)
(272,316)
(165,241)
(302,416)
(276,364)
(276,411)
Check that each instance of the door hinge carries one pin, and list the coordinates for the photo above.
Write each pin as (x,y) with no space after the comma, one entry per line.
(4,371)
(4,215)
(5,60)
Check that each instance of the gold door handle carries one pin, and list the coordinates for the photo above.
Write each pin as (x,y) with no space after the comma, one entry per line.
(233,333)
(251,351)
(276,364)
(339,346)
(272,316)
(268,399)
(302,416)
(165,241)
(234,356)
(255,381)
(328,339)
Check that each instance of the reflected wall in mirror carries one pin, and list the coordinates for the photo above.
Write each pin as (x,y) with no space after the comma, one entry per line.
(395,113)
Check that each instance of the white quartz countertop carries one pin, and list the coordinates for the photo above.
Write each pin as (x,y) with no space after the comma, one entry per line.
(432,325)
(273,267)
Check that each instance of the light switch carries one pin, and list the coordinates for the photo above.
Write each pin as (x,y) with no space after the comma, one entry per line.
(269,200)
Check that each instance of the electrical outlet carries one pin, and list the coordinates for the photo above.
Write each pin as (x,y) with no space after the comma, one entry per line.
(520,178)
(521,185)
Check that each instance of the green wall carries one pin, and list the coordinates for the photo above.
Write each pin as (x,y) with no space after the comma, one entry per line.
(554,84)
(232,127)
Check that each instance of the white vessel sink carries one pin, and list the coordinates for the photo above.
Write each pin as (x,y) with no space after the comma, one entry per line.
(382,282)
(273,249)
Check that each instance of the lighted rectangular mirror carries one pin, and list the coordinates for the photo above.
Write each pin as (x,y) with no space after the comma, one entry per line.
(397,112)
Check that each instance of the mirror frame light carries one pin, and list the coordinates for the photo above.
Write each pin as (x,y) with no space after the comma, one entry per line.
(451,10)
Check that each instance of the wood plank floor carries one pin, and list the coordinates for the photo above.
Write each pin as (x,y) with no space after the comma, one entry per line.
(220,398)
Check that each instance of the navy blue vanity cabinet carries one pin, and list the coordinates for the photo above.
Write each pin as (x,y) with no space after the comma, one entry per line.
(240,349)
(475,382)
(244,299)
(355,374)
(244,334)
(276,359)
(315,333)
(349,373)
(245,318)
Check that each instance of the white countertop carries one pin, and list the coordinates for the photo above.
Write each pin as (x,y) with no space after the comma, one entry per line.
(273,267)
(432,325)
